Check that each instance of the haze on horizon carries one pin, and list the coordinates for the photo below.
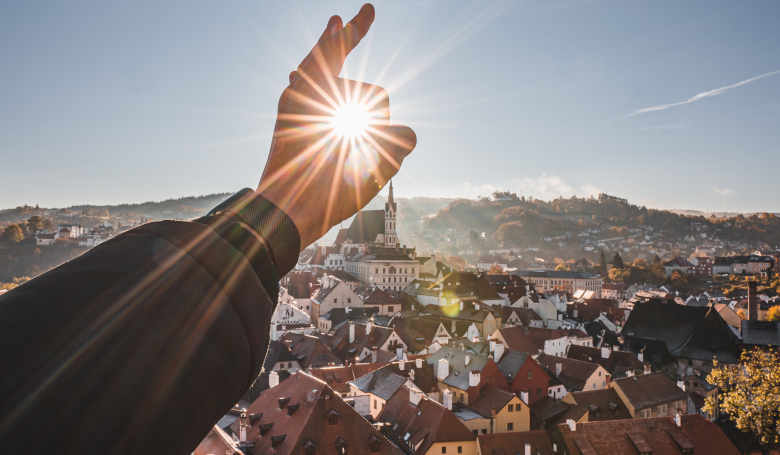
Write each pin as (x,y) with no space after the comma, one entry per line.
(669,105)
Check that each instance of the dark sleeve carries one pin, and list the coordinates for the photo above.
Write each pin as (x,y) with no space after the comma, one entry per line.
(141,344)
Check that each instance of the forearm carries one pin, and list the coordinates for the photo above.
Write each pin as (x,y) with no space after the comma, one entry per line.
(162,327)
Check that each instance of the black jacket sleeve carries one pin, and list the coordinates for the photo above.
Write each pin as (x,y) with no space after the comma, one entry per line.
(141,344)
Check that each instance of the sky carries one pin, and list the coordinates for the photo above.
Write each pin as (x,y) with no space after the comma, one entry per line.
(669,104)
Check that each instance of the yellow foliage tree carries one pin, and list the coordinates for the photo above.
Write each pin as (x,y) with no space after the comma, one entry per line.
(774,313)
(749,393)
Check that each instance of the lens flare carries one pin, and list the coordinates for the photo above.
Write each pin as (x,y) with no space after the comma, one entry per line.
(350,120)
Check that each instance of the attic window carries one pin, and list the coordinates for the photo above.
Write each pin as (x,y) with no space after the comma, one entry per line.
(265,428)
(333,417)
(341,446)
(283,402)
(277,440)
(309,447)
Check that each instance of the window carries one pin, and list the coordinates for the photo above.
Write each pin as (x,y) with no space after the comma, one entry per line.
(511,408)
(390,308)
(349,300)
(530,375)
(460,449)
(443,449)
(484,431)
(476,432)
(334,300)
(510,426)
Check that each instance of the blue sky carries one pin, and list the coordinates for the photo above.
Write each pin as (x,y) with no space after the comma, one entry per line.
(107,103)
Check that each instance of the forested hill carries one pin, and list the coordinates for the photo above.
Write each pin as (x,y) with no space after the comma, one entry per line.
(510,220)
(180,208)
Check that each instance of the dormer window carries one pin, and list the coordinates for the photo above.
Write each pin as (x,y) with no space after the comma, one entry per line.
(333,417)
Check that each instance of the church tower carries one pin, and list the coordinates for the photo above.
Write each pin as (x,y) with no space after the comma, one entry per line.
(391,239)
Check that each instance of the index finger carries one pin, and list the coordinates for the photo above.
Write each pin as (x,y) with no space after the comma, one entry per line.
(357,28)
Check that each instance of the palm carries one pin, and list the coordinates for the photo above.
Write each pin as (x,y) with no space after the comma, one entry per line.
(317,174)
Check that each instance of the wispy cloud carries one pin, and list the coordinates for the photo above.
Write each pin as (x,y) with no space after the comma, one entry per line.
(723,191)
(702,95)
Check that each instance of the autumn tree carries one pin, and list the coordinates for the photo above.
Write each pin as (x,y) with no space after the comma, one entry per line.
(13,234)
(773,314)
(749,393)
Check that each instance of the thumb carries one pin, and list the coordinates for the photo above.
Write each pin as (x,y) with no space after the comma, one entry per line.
(393,143)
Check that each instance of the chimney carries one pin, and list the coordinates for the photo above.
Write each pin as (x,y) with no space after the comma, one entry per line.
(572,424)
(461,305)
(474,377)
(558,368)
(374,354)
(369,326)
(681,385)
(752,301)
(447,399)
(476,306)
(648,368)
(492,346)
(605,352)
(678,419)
(243,424)
(351,332)
(527,448)
(443,369)
(499,351)
(399,354)
(641,355)
(415,396)
(466,360)
(273,379)
(524,397)
(402,365)
(418,362)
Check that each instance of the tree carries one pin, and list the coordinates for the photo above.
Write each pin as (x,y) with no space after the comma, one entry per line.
(562,267)
(774,313)
(617,261)
(748,393)
(13,234)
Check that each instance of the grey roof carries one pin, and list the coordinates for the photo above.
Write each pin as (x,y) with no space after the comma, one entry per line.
(459,371)
(366,225)
(761,333)
(511,362)
(383,382)
(465,414)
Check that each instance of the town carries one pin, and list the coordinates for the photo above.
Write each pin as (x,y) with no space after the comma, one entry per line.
(378,349)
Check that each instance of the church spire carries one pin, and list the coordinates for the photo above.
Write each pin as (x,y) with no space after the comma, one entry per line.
(391,239)
(390,197)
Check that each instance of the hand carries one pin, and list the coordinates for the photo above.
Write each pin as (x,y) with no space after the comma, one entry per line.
(313,173)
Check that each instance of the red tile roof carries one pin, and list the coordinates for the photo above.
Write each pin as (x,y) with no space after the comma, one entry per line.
(304,411)
(514,443)
(427,423)
(658,435)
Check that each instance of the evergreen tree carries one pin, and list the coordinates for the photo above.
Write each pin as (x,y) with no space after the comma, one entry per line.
(603,264)
(617,261)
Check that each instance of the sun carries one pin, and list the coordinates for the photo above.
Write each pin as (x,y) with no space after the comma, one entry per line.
(350,120)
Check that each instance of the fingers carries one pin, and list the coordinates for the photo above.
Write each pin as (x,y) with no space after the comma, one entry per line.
(357,28)
(327,56)
(393,143)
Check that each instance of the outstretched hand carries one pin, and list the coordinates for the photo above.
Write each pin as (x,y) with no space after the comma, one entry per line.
(319,172)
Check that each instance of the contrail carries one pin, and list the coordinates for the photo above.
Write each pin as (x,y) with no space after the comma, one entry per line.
(702,95)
